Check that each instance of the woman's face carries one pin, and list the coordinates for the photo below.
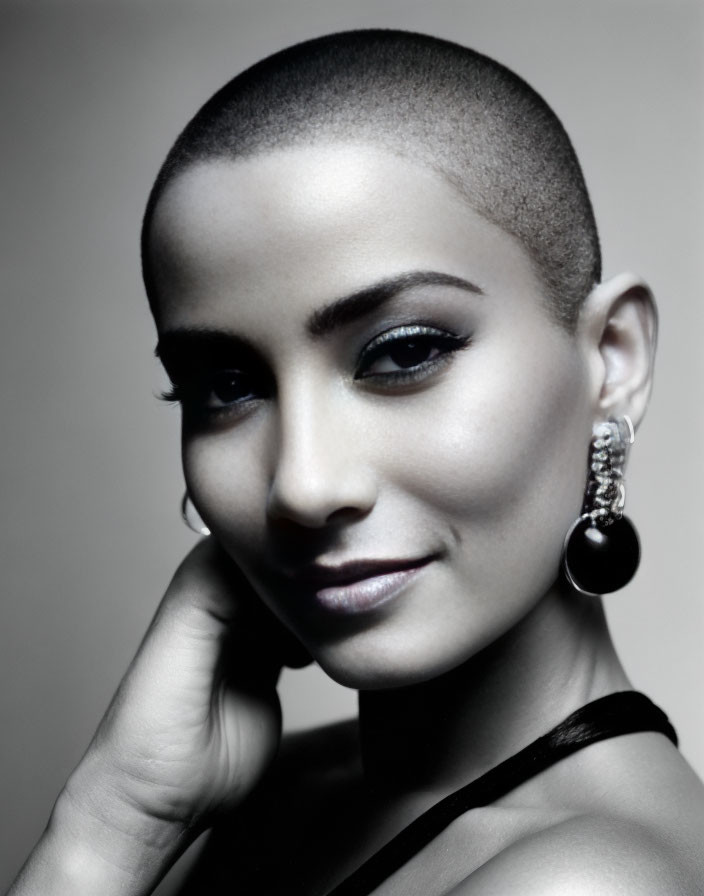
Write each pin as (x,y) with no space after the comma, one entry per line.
(383,426)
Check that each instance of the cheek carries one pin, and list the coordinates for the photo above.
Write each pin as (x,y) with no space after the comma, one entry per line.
(501,458)
(223,478)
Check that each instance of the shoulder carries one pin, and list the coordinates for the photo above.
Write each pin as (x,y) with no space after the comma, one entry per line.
(625,817)
(589,856)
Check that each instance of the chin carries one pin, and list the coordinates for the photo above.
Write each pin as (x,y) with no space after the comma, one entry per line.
(373,679)
(364,665)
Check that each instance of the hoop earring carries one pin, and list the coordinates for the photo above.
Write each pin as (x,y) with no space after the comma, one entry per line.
(191,517)
(601,552)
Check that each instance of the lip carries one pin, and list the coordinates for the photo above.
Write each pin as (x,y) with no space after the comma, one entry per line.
(360,585)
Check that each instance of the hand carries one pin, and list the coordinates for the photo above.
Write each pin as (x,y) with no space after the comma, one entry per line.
(193,726)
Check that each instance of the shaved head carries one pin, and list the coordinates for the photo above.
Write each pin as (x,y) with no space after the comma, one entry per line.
(429,100)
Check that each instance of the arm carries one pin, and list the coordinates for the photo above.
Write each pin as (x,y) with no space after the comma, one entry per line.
(186,737)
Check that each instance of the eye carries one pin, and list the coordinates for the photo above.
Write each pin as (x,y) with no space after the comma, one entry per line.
(217,392)
(407,353)
(227,387)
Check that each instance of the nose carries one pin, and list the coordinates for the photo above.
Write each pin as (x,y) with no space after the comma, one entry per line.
(320,471)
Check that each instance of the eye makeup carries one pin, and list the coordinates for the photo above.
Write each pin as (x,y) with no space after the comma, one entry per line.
(396,358)
(407,354)
(212,371)
(215,390)
(190,349)
(215,372)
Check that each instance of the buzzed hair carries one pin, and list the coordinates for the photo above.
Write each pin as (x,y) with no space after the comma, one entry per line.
(462,114)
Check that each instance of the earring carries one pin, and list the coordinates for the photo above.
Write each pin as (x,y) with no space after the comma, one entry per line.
(601,552)
(191,517)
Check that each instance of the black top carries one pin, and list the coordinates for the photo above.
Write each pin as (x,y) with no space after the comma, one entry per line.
(624,713)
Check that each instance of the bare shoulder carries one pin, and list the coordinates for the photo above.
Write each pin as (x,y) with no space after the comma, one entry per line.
(631,823)
(587,857)
(624,817)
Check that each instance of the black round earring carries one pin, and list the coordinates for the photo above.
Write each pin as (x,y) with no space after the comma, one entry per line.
(601,552)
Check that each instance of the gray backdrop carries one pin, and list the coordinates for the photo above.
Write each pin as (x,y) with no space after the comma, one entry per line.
(92,95)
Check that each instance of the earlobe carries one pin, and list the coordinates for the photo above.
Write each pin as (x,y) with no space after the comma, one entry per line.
(620,322)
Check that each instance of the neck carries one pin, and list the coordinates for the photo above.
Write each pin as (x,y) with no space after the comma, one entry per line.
(438,735)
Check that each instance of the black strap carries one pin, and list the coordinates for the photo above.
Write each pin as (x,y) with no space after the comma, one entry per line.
(626,712)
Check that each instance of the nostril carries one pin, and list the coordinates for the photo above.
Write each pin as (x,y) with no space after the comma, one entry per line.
(314,514)
(314,503)
(293,544)
(347,514)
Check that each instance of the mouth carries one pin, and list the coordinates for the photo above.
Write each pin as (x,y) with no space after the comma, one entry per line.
(359,586)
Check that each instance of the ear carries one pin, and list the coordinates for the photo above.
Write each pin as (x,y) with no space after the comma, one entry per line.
(619,323)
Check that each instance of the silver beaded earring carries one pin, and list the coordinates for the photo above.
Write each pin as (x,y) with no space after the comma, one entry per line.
(601,552)
(191,517)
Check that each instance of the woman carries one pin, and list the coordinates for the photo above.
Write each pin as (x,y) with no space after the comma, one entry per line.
(407,402)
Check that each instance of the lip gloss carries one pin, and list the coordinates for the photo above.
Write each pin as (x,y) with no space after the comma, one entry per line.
(365,594)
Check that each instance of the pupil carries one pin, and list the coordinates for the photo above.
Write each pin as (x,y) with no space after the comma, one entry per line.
(230,387)
(410,354)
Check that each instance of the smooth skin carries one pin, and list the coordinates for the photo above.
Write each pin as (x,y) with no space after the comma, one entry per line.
(445,430)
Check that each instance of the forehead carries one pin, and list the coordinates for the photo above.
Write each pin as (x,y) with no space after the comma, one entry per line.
(300,226)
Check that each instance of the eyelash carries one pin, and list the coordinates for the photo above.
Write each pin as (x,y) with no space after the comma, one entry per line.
(429,338)
(195,395)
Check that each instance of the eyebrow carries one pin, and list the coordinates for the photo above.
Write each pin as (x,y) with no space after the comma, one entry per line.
(189,347)
(350,308)
(192,348)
